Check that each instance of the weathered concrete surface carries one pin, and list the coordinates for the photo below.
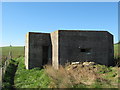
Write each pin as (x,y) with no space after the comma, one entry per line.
(64,46)
(38,49)
(110,49)
(55,48)
(27,51)
(96,46)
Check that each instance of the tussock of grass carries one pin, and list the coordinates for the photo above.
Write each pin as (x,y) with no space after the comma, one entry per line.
(64,78)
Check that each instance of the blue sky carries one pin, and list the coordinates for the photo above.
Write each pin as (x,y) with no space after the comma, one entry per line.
(22,17)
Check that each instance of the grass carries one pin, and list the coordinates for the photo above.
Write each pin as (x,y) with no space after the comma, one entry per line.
(97,76)
(116,50)
(34,78)
(16,51)
(77,76)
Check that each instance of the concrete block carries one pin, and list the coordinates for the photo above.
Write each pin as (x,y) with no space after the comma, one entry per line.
(63,46)
(38,46)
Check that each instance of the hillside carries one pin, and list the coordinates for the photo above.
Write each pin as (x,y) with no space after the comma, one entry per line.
(16,51)
(116,50)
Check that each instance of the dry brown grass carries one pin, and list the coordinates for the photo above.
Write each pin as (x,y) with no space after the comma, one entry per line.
(71,75)
(59,77)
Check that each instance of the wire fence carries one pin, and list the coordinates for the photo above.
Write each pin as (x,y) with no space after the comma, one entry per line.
(3,68)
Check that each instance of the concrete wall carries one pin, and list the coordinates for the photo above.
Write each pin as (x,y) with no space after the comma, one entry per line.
(97,44)
(55,47)
(111,49)
(64,46)
(27,50)
(37,48)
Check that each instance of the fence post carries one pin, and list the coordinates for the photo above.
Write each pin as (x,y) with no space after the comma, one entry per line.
(10,52)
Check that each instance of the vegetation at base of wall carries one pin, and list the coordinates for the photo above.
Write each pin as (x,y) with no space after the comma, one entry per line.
(71,76)
(80,76)
(33,78)
(41,78)
(8,79)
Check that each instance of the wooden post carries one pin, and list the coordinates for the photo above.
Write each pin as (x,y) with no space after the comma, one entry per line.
(10,52)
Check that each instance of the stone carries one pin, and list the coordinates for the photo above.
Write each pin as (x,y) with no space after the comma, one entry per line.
(75,62)
(88,63)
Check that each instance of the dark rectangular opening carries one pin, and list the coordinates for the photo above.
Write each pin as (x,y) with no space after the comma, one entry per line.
(85,50)
(45,55)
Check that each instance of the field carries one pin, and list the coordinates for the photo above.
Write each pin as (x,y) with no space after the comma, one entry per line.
(70,76)
(16,51)
(116,50)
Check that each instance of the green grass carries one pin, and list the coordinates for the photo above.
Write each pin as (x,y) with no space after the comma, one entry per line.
(109,75)
(34,78)
(38,78)
(116,50)
(16,51)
